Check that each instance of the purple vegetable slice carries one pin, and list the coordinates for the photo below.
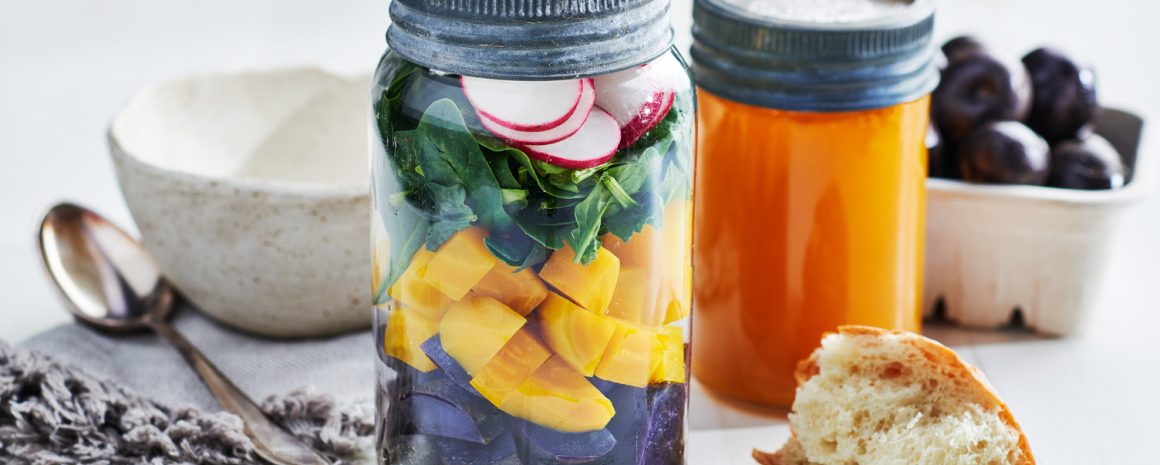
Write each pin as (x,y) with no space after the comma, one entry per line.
(441,408)
(664,441)
(544,446)
(500,451)
(434,350)
(412,449)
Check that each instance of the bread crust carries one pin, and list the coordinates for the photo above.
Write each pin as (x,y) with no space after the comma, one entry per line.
(935,352)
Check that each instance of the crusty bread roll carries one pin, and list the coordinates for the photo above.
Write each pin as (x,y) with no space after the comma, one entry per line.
(870,396)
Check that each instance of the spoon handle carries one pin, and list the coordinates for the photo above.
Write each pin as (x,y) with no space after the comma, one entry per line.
(271,442)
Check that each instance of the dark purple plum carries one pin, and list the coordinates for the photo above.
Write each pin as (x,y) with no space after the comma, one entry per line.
(500,451)
(1004,152)
(537,445)
(664,443)
(976,89)
(434,349)
(1065,103)
(1091,163)
(960,47)
(442,408)
(412,449)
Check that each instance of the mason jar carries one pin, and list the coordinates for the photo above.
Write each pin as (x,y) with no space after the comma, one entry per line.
(532,234)
(811,181)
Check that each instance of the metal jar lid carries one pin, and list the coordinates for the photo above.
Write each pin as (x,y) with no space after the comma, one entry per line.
(529,39)
(763,59)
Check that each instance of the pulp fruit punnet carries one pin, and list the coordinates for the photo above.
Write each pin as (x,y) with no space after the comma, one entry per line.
(521,290)
(406,331)
(413,292)
(557,396)
(551,134)
(525,105)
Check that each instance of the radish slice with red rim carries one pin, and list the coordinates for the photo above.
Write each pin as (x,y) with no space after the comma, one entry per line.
(594,144)
(548,136)
(524,105)
(637,98)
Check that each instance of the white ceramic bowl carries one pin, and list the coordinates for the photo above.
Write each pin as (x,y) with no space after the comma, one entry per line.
(994,250)
(251,189)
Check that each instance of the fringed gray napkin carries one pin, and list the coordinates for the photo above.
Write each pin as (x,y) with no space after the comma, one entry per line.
(54,412)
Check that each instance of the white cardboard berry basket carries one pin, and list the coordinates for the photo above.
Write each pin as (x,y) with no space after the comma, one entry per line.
(996,254)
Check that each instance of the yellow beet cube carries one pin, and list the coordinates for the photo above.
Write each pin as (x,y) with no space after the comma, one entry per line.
(578,336)
(557,396)
(406,331)
(513,365)
(670,365)
(635,297)
(522,291)
(642,249)
(589,285)
(475,329)
(629,356)
(460,263)
(678,265)
(413,292)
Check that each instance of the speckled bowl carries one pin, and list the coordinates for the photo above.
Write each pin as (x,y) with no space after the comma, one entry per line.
(251,189)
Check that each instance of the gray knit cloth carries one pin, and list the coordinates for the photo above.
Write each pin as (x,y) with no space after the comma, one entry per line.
(52,412)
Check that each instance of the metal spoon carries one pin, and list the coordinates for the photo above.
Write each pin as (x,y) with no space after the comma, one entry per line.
(111,283)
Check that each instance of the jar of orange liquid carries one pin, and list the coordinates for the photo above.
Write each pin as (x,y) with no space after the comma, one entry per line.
(810,180)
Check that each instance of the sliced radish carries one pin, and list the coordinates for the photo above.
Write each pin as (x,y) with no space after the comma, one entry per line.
(638,98)
(555,134)
(524,105)
(594,144)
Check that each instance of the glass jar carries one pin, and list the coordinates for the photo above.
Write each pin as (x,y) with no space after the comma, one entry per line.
(532,244)
(810,174)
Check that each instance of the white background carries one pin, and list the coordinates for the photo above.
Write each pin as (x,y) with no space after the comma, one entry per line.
(67,65)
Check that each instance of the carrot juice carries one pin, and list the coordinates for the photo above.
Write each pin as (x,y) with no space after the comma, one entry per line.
(805,221)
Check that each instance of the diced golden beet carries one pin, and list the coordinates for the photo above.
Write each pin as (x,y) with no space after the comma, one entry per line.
(589,285)
(642,249)
(629,356)
(578,336)
(670,366)
(406,330)
(513,365)
(412,291)
(475,329)
(557,396)
(380,253)
(522,291)
(678,238)
(636,296)
(460,264)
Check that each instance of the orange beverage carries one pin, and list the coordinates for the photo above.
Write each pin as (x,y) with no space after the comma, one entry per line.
(810,180)
(820,224)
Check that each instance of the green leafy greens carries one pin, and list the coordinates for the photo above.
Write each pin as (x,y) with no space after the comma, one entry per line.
(443,176)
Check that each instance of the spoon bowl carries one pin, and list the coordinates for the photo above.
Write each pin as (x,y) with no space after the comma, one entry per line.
(108,280)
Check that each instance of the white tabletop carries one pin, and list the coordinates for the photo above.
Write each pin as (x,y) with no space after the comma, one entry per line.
(67,65)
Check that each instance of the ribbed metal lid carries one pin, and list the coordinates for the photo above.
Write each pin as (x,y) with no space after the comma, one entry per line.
(760,58)
(529,39)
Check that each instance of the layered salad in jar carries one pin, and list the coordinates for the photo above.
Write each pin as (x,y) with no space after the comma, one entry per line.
(532,275)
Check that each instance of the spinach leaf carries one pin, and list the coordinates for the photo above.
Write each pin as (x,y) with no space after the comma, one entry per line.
(454,215)
(450,156)
(631,220)
(584,237)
